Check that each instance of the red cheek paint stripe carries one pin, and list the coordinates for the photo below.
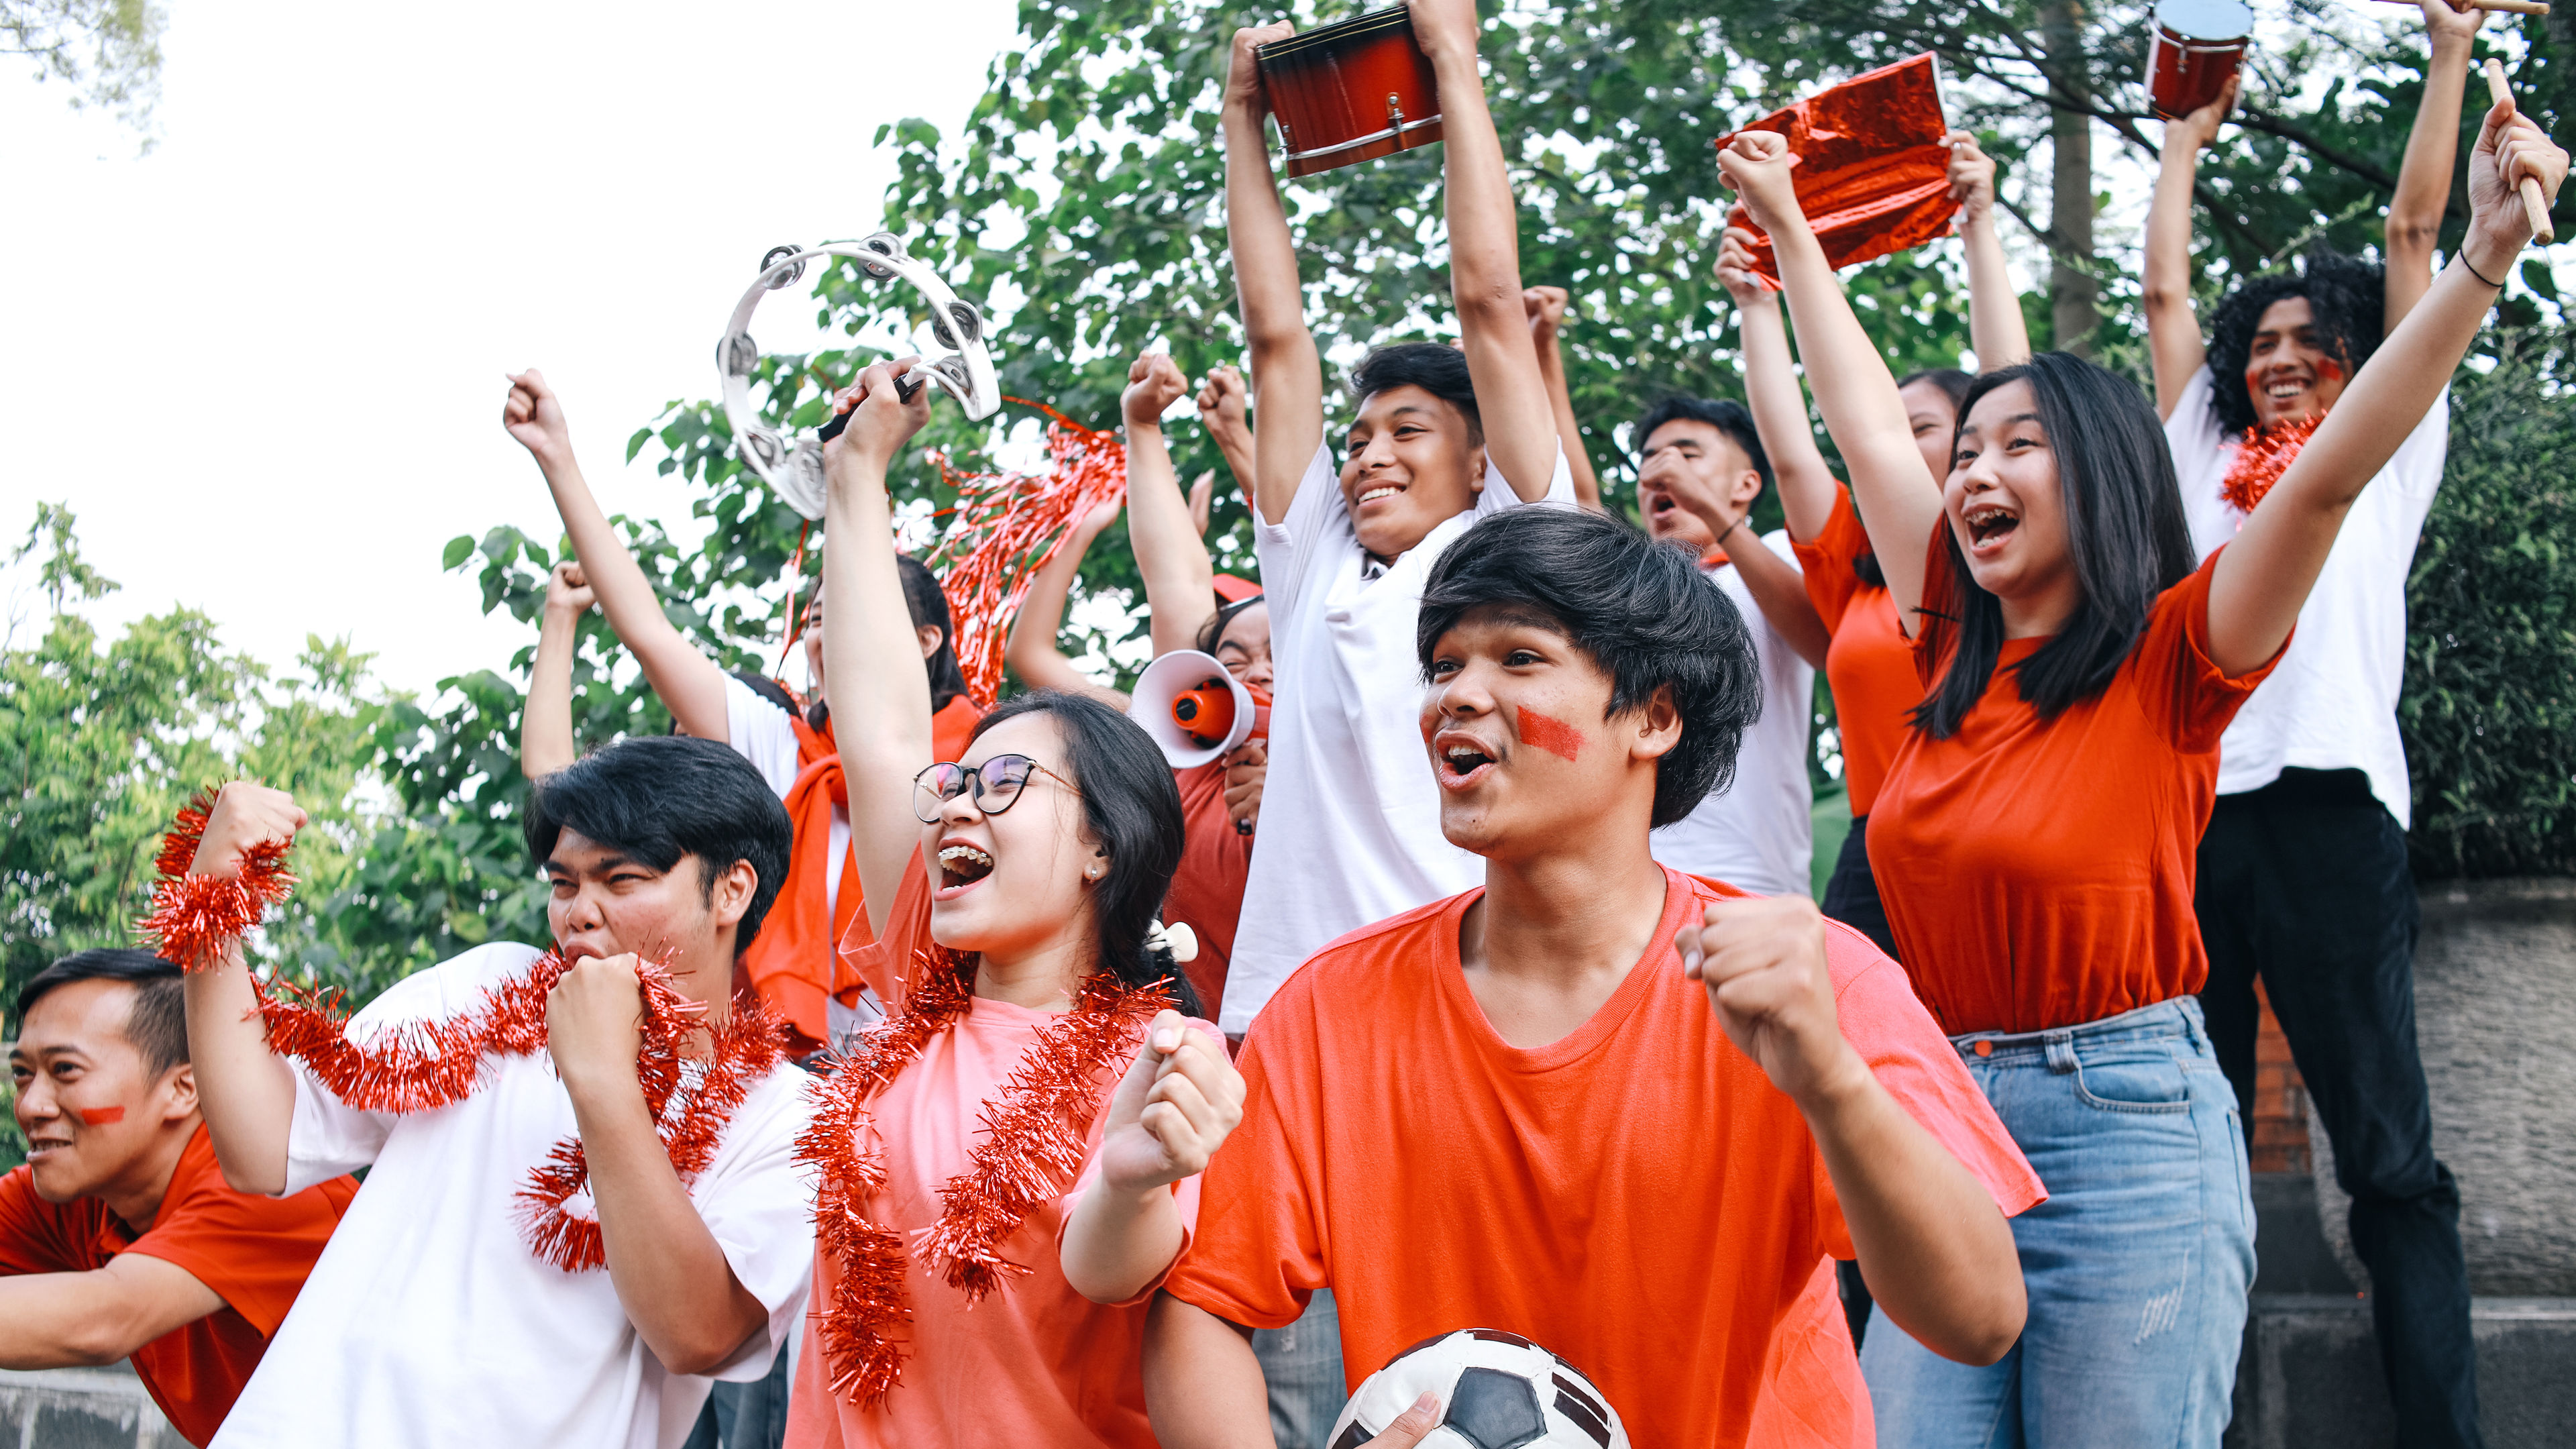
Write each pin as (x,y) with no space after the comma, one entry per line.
(101,1116)
(1552,735)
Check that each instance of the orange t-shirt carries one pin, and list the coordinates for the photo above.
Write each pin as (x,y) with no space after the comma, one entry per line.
(1637,1197)
(1035,1362)
(2038,873)
(253,1251)
(1870,665)
(1207,891)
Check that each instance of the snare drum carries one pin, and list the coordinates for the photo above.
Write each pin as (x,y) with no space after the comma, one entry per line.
(1351,91)
(2194,46)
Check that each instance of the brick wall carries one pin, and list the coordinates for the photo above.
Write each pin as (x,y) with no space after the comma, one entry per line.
(2278,1139)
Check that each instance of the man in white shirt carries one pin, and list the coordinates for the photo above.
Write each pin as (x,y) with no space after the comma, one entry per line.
(1700,466)
(430,1318)
(2303,872)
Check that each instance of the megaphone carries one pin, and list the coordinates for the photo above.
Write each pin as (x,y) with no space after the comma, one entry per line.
(1194,709)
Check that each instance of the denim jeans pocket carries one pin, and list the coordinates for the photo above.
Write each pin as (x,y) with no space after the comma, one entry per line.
(2131,1080)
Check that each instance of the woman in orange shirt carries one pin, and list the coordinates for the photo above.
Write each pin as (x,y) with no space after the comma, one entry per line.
(2035,837)
(964,1138)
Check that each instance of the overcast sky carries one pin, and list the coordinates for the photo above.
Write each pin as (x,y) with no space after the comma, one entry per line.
(264,363)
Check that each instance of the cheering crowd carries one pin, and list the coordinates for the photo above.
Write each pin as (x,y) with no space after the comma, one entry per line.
(904,1073)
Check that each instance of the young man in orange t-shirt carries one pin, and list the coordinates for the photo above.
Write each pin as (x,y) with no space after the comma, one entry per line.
(1617,1110)
(119,1238)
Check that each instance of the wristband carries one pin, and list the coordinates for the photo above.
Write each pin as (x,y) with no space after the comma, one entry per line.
(2474,272)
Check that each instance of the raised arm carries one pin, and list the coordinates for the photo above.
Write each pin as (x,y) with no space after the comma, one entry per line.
(1772,393)
(83,1320)
(1222,402)
(1171,556)
(545,722)
(1485,257)
(2262,579)
(1032,652)
(246,1093)
(2174,345)
(687,682)
(1546,308)
(1898,498)
(1995,326)
(1287,375)
(2432,148)
(872,674)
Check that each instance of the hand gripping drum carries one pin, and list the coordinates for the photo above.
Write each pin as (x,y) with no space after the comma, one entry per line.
(793,466)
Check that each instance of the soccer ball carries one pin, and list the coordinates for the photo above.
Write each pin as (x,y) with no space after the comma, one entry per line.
(1496,1390)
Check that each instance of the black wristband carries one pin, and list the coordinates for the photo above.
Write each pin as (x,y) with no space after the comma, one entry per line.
(2474,272)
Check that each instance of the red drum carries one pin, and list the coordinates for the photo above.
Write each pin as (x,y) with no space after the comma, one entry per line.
(2194,48)
(1351,91)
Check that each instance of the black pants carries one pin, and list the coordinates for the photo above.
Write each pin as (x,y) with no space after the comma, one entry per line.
(1851,897)
(2306,882)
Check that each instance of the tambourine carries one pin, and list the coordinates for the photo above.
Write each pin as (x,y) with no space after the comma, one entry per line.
(793,466)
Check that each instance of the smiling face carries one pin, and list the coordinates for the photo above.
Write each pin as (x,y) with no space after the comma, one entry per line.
(96,1117)
(2288,370)
(1011,886)
(1929,412)
(1414,463)
(1244,647)
(1687,457)
(1526,756)
(606,902)
(2004,503)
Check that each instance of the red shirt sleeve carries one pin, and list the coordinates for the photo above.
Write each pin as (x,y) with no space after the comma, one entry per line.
(252,1250)
(2186,696)
(1258,1255)
(1825,565)
(886,962)
(38,1237)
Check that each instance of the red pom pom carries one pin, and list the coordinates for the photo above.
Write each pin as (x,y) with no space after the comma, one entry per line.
(2261,459)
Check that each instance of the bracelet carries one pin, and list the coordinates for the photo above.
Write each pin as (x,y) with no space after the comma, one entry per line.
(2463,255)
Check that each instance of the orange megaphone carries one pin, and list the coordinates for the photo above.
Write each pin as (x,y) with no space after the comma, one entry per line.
(1194,709)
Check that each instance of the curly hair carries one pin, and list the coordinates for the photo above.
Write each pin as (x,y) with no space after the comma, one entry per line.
(2348,297)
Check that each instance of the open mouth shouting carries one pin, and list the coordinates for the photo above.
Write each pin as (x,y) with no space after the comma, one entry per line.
(961,866)
(1989,524)
(1461,760)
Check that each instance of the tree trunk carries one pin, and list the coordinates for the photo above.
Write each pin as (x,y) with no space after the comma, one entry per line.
(2074,296)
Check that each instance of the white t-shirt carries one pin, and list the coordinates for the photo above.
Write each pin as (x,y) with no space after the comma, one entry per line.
(2332,702)
(1759,835)
(762,733)
(427,1321)
(1350,815)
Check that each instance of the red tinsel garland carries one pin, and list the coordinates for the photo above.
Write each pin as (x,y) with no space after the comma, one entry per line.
(194,917)
(2261,459)
(1033,1137)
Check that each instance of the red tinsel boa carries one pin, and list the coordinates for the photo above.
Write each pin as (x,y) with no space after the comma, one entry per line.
(1033,1138)
(2261,459)
(194,917)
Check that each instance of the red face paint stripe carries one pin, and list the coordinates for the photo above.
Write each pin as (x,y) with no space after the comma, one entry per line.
(101,1116)
(1552,735)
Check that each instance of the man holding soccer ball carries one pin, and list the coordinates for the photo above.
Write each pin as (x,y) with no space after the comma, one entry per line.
(1613,1109)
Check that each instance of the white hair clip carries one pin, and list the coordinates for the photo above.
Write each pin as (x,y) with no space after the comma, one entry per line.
(1178,941)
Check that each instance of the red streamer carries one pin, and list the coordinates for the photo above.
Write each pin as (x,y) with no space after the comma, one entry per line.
(1033,1136)
(2264,455)
(1873,174)
(1006,526)
(195,917)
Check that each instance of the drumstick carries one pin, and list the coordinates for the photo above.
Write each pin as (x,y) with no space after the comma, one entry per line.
(2534,208)
(2518,7)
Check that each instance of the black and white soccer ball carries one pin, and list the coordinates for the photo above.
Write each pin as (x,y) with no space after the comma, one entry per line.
(1496,1390)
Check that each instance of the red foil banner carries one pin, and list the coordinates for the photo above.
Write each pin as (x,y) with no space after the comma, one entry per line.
(1873,175)
(1004,529)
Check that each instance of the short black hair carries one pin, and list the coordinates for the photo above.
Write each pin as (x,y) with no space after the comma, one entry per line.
(1953,384)
(664,797)
(1435,367)
(2348,298)
(1726,415)
(157,1024)
(1638,608)
(2124,530)
(1134,809)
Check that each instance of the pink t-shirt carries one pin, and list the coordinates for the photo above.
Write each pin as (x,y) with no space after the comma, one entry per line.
(1035,1362)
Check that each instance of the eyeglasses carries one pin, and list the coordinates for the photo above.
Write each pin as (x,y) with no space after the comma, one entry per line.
(996,784)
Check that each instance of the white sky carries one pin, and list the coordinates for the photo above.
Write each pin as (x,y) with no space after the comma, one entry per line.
(264,363)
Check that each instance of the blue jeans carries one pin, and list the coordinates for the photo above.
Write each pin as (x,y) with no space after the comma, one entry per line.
(2137,1266)
(1302,1364)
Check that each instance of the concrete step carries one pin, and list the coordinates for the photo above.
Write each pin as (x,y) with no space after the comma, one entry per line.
(2309,1377)
(100,1408)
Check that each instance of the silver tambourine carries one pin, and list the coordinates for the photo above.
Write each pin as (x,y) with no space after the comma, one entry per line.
(793,467)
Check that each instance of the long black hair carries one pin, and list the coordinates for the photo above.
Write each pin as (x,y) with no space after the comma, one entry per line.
(1134,811)
(1954,385)
(927,603)
(2347,298)
(2124,529)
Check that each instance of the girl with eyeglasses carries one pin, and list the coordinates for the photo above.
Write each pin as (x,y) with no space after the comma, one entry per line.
(1006,1167)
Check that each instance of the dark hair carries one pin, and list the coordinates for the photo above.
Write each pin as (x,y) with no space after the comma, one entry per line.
(1435,367)
(927,603)
(157,1023)
(661,798)
(1955,386)
(1134,810)
(1728,416)
(2124,529)
(1638,608)
(1226,614)
(2347,296)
